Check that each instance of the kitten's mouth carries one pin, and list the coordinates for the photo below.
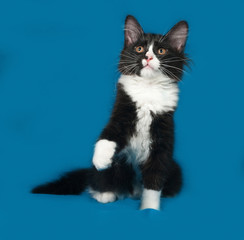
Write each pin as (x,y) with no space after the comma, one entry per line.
(147,67)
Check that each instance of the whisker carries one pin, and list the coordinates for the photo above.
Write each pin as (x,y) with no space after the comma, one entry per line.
(170,73)
(133,57)
(125,60)
(128,69)
(173,67)
(170,61)
(127,56)
(131,54)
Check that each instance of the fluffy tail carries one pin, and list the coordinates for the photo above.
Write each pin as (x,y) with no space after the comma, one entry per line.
(72,183)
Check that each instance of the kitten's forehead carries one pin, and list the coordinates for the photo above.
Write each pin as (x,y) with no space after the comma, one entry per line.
(152,39)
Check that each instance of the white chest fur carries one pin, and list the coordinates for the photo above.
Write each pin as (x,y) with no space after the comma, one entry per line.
(155,95)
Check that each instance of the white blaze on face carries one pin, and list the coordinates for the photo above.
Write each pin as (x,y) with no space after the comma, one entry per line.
(150,68)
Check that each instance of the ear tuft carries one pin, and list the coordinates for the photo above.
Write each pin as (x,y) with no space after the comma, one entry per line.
(177,36)
(133,30)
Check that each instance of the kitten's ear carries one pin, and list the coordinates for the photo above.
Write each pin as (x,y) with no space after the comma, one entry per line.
(177,36)
(133,30)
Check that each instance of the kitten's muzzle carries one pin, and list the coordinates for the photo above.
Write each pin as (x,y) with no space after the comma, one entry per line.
(148,58)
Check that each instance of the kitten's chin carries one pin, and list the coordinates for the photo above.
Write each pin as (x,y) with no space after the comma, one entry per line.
(148,72)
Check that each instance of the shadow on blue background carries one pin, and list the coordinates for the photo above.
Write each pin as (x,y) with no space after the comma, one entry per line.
(57,85)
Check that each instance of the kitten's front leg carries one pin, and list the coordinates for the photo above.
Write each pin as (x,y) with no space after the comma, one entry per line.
(156,168)
(153,185)
(103,154)
(154,171)
(114,136)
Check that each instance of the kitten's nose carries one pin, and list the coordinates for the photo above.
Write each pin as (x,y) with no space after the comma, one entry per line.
(148,58)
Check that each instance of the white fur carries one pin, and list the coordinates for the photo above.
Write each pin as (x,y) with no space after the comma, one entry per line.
(150,52)
(103,154)
(103,197)
(155,95)
(151,68)
(150,199)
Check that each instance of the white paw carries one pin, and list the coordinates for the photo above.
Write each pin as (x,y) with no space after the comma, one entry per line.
(103,154)
(104,197)
(150,199)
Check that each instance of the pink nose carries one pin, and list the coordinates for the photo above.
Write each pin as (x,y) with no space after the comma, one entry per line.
(149,59)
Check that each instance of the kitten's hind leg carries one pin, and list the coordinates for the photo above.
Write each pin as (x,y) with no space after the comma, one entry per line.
(103,197)
(173,183)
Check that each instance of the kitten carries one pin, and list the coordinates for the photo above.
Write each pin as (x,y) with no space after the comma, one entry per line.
(134,153)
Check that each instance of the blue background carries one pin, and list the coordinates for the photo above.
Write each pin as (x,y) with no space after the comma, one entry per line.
(57,86)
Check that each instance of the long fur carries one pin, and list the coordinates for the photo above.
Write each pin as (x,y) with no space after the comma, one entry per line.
(72,183)
(134,153)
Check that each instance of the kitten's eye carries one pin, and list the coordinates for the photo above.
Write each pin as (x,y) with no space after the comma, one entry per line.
(139,49)
(161,51)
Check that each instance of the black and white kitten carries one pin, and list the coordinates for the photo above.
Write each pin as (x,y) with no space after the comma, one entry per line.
(134,153)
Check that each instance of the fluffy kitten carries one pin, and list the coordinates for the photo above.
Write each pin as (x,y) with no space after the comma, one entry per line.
(134,153)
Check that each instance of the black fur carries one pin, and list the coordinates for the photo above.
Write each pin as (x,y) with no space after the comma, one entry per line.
(72,183)
(118,178)
(159,171)
(172,62)
(122,122)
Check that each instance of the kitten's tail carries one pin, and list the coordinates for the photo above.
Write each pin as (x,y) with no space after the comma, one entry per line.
(72,183)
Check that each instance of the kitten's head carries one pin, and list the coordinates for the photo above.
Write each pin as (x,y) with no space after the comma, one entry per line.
(149,55)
